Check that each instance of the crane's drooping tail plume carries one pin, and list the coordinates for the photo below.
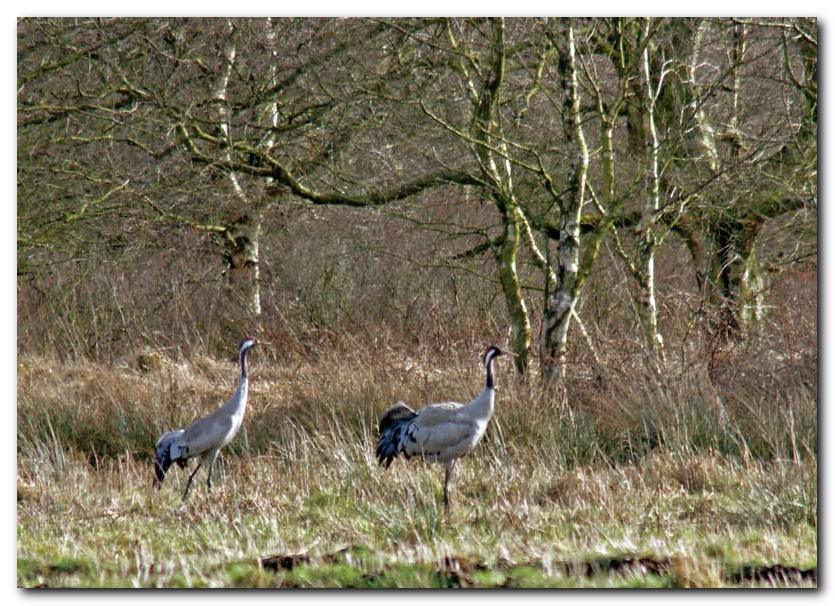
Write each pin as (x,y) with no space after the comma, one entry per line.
(393,425)
(165,456)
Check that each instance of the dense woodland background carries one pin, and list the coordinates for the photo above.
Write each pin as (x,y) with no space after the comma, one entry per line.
(568,187)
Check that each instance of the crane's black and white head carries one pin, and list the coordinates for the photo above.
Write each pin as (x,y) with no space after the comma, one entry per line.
(491,354)
(247,344)
(493,351)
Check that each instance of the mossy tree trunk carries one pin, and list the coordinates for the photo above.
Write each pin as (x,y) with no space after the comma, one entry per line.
(487,143)
(506,254)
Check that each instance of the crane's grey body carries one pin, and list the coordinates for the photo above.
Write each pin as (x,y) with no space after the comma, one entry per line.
(439,432)
(449,430)
(205,437)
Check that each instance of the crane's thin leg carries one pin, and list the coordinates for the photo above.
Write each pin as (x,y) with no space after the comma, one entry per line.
(191,477)
(447,478)
(212,458)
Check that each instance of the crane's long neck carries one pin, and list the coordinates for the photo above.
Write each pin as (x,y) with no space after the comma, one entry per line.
(489,364)
(482,405)
(238,401)
(242,357)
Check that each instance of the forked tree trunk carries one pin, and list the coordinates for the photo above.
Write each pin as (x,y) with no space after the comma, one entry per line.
(735,278)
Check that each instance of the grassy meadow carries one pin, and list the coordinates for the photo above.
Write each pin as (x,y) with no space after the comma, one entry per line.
(625,479)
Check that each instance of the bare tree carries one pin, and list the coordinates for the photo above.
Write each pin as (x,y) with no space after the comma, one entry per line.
(207,124)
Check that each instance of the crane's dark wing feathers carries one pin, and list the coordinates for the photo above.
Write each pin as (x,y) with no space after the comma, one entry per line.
(393,425)
(163,455)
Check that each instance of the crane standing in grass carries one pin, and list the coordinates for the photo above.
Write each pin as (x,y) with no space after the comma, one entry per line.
(205,437)
(441,432)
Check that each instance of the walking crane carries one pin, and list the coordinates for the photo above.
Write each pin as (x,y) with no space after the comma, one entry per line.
(206,436)
(442,432)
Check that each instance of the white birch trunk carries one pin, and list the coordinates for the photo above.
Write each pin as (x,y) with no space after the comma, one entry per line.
(560,303)
(243,238)
(647,304)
